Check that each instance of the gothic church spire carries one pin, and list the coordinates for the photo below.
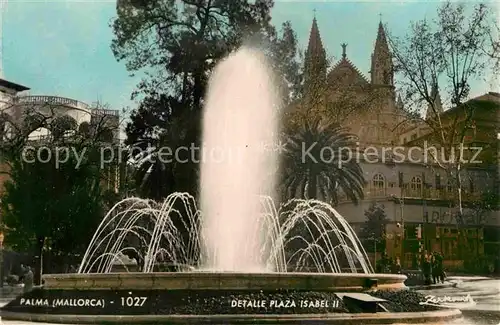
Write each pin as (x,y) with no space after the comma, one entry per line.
(382,70)
(437,106)
(315,64)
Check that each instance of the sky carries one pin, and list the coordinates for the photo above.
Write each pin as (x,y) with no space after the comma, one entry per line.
(62,47)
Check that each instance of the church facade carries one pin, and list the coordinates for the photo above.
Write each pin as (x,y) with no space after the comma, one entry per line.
(413,192)
(368,106)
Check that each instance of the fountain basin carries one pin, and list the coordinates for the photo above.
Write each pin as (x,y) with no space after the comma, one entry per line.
(213,298)
(225,281)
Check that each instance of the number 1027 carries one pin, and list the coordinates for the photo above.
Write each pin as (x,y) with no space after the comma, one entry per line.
(133,301)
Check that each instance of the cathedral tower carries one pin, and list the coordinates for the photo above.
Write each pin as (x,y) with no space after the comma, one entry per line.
(315,63)
(437,105)
(382,70)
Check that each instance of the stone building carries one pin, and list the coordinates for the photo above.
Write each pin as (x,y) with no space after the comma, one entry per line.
(413,191)
(368,106)
(16,105)
(8,91)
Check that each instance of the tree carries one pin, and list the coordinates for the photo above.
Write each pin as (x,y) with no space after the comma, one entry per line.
(492,46)
(179,41)
(318,161)
(286,59)
(448,49)
(374,228)
(149,130)
(45,201)
(178,44)
(53,197)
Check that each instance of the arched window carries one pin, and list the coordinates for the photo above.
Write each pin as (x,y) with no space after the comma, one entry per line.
(378,181)
(416,183)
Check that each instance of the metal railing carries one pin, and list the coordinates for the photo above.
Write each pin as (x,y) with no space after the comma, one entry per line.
(101,112)
(439,194)
(63,101)
(408,193)
(51,100)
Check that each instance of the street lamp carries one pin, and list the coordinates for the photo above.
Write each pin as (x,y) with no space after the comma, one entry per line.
(1,259)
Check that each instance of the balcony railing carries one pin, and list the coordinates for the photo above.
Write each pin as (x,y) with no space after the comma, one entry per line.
(51,100)
(408,193)
(439,194)
(103,112)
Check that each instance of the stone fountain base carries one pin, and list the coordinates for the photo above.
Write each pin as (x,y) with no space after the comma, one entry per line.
(217,298)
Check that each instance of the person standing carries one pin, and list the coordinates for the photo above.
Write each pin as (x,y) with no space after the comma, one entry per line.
(22,272)
(386,263)
(439,267)
(28,279)
(434,268)
(422,264)
(426,269)
(396,267)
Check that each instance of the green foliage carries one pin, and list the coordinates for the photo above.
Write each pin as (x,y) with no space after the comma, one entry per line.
(490,200)
(449,49)
(373,229)
(53,193)
(327,169)
(179,43)
(154,176)
(43,201)
(60,126)
(183,39)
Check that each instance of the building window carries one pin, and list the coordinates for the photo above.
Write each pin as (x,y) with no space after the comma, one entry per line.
(378,181)
(448,186)
(438,181)
(416,183)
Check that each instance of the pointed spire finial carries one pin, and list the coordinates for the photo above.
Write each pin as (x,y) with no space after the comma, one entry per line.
(380,15)
(344,45)
(314,13)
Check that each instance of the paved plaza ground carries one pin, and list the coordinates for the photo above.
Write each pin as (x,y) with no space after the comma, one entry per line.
(486,294)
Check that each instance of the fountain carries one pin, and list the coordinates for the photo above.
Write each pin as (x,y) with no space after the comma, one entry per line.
(250,260)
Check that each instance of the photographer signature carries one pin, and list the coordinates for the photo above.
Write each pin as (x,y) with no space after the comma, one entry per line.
(447,301)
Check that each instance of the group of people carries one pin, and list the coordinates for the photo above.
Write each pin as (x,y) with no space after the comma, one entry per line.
(388,265)
(432,268)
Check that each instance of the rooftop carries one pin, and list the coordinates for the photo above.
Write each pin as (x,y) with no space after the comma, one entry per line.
(12,85)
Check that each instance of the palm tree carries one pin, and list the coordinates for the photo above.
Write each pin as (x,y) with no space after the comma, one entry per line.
(157,174)
(153,174)
(318,161)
